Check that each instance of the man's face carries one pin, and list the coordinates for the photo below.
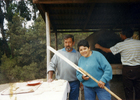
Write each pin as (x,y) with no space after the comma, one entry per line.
(68,44)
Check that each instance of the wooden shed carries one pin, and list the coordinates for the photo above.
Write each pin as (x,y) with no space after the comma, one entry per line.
(89,16)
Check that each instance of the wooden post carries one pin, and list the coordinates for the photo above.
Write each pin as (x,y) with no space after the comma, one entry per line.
(56,45)
(47,39)
(139,34)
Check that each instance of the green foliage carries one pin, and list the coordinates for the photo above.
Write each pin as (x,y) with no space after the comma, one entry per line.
(16,34)
(29,72)
(24,10)
(28,47)
(1,49)
(79,36)
(18,7)
(8,9)
(8,69)
(11,72)
(11,9)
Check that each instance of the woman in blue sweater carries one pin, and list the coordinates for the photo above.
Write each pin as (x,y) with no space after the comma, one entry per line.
(94,63)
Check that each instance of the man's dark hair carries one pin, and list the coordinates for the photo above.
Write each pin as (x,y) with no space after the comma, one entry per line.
(83,43)
(128,32)
(69,36)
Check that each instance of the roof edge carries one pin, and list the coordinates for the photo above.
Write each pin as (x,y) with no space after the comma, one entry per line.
(81,1)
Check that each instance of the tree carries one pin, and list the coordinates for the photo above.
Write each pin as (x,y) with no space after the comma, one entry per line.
(8,8)
(23,10)
(5,48)
(15,34)
(28,48)
(34,50)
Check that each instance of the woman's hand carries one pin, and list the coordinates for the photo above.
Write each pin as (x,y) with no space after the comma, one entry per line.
(85,77)
(101,84)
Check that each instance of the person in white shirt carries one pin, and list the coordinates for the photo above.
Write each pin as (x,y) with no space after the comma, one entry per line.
(129,50)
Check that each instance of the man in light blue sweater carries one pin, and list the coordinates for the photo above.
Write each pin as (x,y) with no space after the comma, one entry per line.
(94,63)
(63,70)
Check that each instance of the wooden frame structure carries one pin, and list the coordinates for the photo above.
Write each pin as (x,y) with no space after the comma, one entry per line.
(88,16)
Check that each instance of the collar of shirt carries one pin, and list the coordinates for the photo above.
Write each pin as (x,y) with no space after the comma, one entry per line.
(128,39)
(74,51)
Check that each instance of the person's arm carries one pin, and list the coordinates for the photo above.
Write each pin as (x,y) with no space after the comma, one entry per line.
(51,68)
(107,50)
(50,75)
(105,66)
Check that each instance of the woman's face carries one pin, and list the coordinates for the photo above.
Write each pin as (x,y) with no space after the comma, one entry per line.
(84,51)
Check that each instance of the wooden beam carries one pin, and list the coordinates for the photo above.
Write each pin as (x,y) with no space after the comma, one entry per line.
(56,44)
(35,1)
(139,34)
(82,1)
(80,20)
(117,69)
(93,26)
(86,30)
(67,8)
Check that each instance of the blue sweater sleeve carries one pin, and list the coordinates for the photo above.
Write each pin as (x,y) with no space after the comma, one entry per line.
(78,74)
(106,67)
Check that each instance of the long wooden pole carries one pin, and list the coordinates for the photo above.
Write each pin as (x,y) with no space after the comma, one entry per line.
(65,59)
(80,70)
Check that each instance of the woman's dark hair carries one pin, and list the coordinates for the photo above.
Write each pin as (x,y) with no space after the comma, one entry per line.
(82,43)
(128,32)
(69,36)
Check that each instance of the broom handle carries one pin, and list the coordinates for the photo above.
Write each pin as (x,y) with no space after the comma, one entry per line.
(65,59)
(80,70)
